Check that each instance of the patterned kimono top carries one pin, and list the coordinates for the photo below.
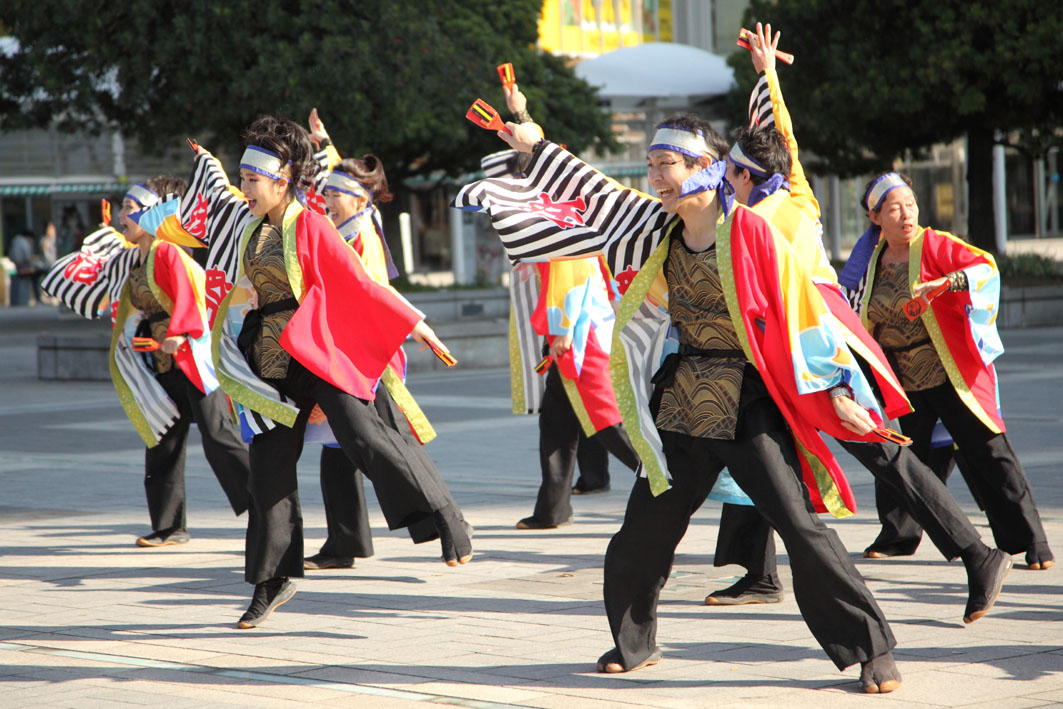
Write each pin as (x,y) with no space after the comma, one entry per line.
(141,298)
(703,398)
(906,342)
(264,267)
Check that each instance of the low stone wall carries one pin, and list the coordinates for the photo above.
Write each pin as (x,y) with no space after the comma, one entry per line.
(1033,306)
(474,325)
(73,357)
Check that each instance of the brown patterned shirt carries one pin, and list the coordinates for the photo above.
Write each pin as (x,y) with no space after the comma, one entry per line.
(264,266)
(141,298)
(906,342)
(703,398)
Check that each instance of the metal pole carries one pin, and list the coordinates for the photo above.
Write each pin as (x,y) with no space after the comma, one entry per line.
(1039,197)
(1000,203)
(457,247)
(406,240)
(835,224)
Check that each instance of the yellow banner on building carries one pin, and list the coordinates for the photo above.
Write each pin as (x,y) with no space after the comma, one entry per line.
(591,27)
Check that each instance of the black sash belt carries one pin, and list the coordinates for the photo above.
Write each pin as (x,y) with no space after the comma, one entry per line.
(909,346)
(253,321)
(688,351)
(666,374)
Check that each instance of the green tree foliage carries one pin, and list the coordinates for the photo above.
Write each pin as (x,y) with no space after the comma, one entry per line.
(394,78)
(872,79)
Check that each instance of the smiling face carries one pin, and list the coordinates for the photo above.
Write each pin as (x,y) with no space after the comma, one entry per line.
(130,229)
(898,216)
(264,194)
(666,171)
(341,206)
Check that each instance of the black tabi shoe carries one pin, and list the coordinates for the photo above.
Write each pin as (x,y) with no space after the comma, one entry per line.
(873,553)
(269,596)
(532,523)
(1039,557)
(880,675)
(610,663)
(161,539)
(580,489)
(746,590)
(984,582)
(455,537)
(323,561)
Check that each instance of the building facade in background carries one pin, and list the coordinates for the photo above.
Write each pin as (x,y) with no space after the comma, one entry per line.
(47,176)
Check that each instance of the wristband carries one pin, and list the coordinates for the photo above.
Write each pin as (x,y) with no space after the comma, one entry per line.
(840,391)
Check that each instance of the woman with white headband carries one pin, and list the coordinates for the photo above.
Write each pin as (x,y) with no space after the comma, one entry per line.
(750,356)
(300,323)
(765,168)
(931,300)
(159,355)
(349,191)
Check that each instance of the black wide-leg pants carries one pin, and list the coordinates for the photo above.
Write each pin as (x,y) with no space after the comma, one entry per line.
(990,465)
(745,536)
(407,484)
(834,600)
(342,490)
(559,435)
(164,463)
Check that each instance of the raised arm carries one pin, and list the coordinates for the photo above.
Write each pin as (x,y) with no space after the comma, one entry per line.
(90,278)
(327,156)
(767,97)
(211,210)
(564,208)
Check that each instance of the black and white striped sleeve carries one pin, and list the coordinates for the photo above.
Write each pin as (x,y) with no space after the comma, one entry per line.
(565,208)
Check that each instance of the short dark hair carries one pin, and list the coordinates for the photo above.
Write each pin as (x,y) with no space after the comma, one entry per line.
(699,126)
(163,185)
(518,163)
(370,174)
(768,147)
(291,143)
(867,187)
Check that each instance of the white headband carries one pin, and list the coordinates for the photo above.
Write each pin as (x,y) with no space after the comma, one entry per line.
(343,182)
(142,195)
(881,187)
(264,162)
(680,141)
(742,160)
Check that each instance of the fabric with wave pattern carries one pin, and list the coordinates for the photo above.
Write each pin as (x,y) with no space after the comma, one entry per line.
(917,368)
(141,298)
(703,398)
(264,266)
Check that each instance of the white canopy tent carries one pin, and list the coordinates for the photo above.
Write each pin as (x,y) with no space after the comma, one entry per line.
(657,70)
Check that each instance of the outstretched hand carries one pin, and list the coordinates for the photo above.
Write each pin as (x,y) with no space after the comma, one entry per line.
(317,127)
(522,136)
(516,102)
(763,47)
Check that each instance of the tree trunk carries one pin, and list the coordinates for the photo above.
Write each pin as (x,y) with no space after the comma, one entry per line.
(981,232)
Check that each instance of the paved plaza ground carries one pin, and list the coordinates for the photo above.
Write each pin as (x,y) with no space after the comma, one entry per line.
(88,619)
